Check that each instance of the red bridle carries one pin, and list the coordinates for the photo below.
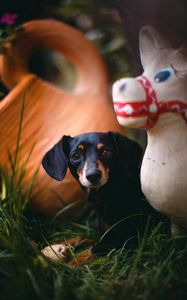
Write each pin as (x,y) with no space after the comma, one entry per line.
(151,107)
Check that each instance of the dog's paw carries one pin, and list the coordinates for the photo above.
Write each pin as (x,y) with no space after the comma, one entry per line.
(57,252)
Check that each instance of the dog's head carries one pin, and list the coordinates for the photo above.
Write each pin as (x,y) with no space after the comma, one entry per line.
(92,158)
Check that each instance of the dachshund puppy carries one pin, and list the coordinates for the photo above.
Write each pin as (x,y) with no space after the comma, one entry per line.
(107,166)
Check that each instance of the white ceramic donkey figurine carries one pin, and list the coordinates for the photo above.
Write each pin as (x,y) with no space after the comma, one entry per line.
(157,102)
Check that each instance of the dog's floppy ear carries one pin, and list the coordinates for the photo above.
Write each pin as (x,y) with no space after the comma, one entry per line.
(55,161)
(128,152)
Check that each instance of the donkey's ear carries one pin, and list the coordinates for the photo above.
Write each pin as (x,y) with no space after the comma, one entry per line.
(129,154)
(183,49)
(180,61)
(150,42)
(55,161)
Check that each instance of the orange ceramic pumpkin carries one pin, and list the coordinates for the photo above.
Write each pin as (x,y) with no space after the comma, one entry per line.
(50,112)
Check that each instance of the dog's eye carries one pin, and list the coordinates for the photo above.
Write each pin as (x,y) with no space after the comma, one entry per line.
(75,156)
(106,153)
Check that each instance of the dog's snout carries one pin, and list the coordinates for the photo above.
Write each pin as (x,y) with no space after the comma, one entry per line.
(94,176)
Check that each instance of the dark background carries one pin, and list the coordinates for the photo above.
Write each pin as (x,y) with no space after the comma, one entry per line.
(169,16)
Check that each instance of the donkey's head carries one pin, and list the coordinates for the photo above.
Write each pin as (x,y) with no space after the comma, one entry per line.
(162,88)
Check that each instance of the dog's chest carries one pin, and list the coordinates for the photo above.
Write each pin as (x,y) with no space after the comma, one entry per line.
(116,200)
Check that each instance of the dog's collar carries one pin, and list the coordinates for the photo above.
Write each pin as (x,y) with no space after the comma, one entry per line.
(151,107)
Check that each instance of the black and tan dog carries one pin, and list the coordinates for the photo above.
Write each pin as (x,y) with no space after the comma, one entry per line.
(107,165)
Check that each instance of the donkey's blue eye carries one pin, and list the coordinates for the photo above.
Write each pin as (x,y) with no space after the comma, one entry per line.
(163,75)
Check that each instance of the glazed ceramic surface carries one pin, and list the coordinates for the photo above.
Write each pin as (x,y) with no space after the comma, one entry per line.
(50,112)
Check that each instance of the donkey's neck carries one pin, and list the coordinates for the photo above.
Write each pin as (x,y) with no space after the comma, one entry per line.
(170,128)
(168,138)
(163,172)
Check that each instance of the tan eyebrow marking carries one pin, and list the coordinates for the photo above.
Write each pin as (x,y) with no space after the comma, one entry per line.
(99,146)
(81,147)
(103,169)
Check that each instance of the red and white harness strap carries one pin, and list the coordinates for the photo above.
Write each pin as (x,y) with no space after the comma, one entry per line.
(151,107)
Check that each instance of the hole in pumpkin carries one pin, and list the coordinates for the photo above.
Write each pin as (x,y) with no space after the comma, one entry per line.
(53,67)
(3,91)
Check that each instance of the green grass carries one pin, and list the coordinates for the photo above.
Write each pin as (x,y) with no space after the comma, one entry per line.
(155,269)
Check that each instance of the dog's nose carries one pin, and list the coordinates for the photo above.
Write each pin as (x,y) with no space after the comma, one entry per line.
(94,176)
